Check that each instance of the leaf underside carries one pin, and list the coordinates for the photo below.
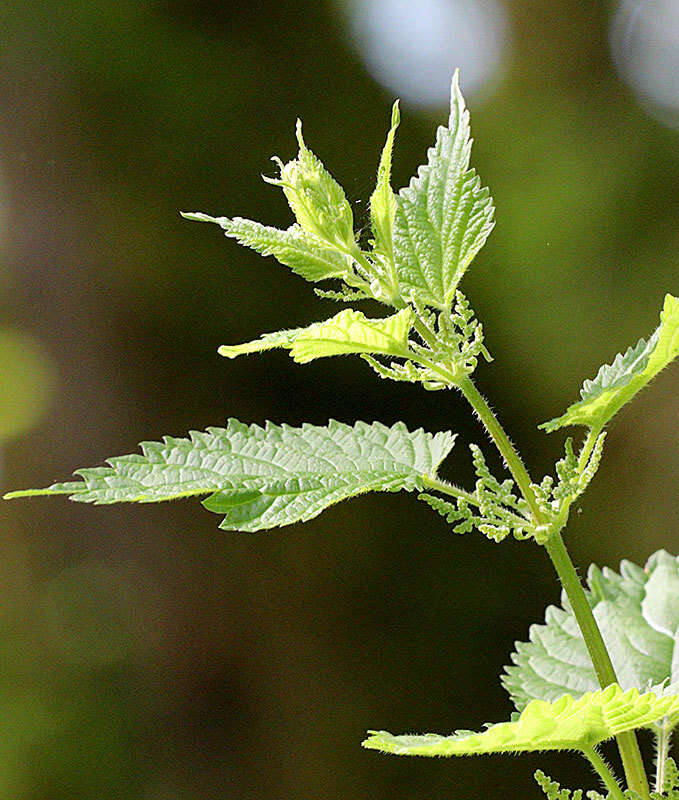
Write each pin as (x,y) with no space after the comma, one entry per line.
(304,253)
(265,477)
(617,383)
(347,332)
(566,724)
(443,217)
(637,611)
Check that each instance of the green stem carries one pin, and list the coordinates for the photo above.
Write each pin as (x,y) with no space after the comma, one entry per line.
(437,485)
(662,749)
(627,742)
(570,581)
(448,488)
(427,336)
(587,448)
(504,445)
(604,773)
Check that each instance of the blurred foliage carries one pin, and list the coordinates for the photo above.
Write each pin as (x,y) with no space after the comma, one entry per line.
(187,664)
(26,383)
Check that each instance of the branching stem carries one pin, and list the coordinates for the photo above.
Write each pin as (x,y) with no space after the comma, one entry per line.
(450,489)
(437,485)
(627,742)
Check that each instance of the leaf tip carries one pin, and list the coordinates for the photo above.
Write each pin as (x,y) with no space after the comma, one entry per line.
(455,91)
(371,742)
(29,493)
(229,350)
(298,134)
(395,114)
(197,216)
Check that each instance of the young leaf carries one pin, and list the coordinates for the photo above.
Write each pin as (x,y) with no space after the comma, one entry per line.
(316,199)
(670,786)
(638,614)
(383,199)
(617,383)
(553,790)
(443,217)
(304,253)
(567,724)
(265,477)
(346,332)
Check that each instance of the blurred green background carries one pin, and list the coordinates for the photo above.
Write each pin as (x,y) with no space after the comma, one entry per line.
(144,653)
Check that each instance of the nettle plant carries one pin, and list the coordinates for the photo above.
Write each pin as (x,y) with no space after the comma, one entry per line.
(602,666)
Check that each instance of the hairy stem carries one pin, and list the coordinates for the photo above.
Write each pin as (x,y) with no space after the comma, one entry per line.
(437,485)
(604,772)
(587,448)
(662,748)
(503,444)
(427,335)
(627,742)
(448,488)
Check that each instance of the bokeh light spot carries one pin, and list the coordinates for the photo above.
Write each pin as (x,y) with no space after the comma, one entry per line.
(412,49)
(644,39)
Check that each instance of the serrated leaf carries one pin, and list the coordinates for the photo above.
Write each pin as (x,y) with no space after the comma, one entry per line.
(304,253)
(617,383)
(265,477)
(316,199)
(347,332)
(566,724)
(443,217)
(637,611)
(383,199)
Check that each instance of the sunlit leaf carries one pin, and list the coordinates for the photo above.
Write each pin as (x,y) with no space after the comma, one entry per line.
(617,383)
(316,199)
(637,611)
(383,199)
(304,253)
(346,332)
(443,217)
(566,724)
(264,477)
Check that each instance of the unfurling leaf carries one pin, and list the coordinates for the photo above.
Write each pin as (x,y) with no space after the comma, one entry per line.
(304,253)
(346,332)
(316,199)
(617,383)
(493,508)
(265,477)
(443,217)
(566,724)
(383,199)
(637,612)
(553,790)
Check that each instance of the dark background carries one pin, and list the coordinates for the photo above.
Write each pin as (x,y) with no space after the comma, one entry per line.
(143,652)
